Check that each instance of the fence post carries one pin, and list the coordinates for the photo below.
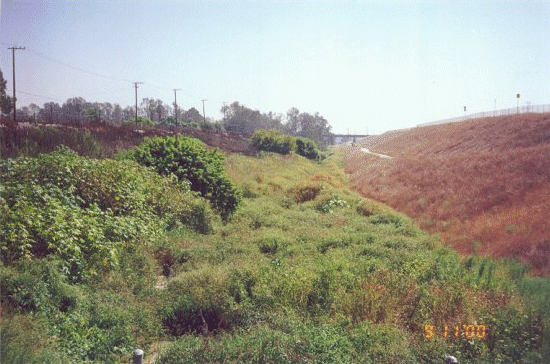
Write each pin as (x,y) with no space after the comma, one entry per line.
(138,356)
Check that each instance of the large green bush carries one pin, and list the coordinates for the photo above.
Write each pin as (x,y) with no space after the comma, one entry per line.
(188,160)
(83,210)
(307,148)
(275,141)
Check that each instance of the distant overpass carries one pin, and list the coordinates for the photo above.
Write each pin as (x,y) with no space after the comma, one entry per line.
(344,138)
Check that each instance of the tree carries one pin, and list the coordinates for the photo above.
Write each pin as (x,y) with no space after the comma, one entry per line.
(241,119)
(50,112)
(128,112)
(154,109)
(73,108)
(6,103)
(192,115)
(116,115)
(314,127)
(106,111)
(92,113)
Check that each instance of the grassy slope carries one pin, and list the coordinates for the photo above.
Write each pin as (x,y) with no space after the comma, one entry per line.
(483,184)
(329,287)
(285,282)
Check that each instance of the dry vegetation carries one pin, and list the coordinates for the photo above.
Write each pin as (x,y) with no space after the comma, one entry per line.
(483,184)
(102,140)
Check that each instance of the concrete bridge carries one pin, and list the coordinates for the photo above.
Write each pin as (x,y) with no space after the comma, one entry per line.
(344,138)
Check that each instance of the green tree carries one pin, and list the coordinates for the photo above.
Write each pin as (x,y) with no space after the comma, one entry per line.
(314,127)
(241,119)
(92,113)
(6,103)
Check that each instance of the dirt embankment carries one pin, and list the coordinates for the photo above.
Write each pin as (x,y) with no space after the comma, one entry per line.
(483,184)
(45,137)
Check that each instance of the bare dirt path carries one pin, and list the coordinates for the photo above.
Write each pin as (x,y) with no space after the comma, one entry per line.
(376,154)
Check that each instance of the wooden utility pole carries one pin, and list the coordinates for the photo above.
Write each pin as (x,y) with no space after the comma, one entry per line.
(13,58)
(176,103)
(203,113)
(136,86)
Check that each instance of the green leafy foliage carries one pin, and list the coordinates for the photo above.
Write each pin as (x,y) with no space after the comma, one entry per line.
(188,160)
(307,148)
(275,141)
(328,205)
(278,283)
(84,210)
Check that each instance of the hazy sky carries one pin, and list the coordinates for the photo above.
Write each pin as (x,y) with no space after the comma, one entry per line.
(363,65)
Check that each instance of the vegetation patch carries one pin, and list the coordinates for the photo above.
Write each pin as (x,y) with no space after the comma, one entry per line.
(188,160)
(275,141)
(281,281)
(306,191)
(83,211)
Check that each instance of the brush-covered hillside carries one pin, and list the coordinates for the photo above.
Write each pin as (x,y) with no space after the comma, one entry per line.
(483,184)
(103,256)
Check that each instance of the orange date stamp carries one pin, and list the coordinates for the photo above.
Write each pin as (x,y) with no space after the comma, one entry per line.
(469,331)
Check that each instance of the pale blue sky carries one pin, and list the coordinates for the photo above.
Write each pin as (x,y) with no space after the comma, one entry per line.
(363,65)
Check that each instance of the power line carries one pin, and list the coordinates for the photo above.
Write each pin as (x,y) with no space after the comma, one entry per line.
(77,68)
(42,96)
(42,55)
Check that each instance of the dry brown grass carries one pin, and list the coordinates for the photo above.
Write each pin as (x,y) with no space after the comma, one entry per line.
(483,184)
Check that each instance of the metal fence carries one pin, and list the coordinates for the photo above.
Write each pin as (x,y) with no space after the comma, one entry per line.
(537,109)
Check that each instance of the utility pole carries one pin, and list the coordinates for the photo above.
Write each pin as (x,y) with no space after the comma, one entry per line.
(13,49)
(203,113)
(176,103)
(136,86)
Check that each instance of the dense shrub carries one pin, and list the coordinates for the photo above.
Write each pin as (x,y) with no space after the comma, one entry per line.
(273,141)
(306,191)
(83,210)
(196,302)
(307,148)
(36,286)
(188,160)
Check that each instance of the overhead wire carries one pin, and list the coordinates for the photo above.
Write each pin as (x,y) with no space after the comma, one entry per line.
(45,56)
(41,96)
